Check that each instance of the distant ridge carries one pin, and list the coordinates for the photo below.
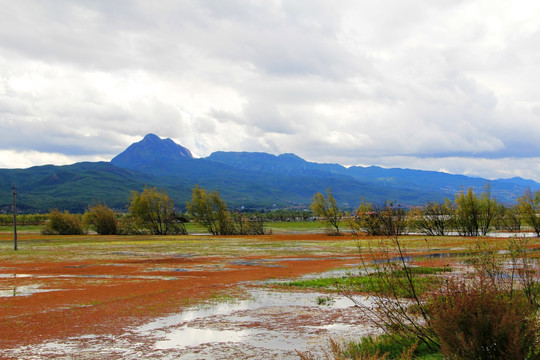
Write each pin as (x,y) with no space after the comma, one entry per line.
(253,180)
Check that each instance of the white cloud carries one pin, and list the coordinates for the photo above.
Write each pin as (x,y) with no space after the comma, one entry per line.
(425,84)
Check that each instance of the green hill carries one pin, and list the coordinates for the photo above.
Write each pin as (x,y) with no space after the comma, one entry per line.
(251,180)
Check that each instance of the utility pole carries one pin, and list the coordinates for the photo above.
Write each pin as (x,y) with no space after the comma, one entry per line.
(14,217)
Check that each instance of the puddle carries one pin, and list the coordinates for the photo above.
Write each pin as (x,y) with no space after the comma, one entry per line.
(24,290)
(510,234)
(14,276)
(258,299)
(20,290)
(497,234)
(268,319)
(90,276)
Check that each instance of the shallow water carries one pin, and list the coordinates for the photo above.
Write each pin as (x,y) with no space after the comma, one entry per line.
(23,290)
(267,324)
(267,320)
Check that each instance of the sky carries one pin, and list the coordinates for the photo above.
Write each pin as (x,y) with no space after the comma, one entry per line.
(443,85)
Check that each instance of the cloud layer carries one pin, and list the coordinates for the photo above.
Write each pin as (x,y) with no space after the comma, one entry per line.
(437,85)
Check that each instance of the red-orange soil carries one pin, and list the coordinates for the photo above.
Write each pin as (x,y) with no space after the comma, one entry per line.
(106,297)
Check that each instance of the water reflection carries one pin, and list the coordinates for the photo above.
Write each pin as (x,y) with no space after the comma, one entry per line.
(246,322)
(23,290)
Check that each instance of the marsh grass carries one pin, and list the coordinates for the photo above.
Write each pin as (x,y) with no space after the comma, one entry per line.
(489,312)
(365,283)
(325,300)
(374,348)
(391,347)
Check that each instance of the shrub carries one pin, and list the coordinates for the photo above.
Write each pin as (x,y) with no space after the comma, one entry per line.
(476,320)
(63,223)
(490,313)
(381,347)
(102,219)
(127,226)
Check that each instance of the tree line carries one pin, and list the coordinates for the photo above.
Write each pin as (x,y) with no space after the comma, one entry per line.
(23,219)
(468,214)
(152,211)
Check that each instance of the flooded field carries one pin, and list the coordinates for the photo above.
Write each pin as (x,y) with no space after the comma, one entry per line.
(192,297)
(266,324)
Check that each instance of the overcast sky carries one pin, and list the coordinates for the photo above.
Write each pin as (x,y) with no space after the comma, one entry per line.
(437,84)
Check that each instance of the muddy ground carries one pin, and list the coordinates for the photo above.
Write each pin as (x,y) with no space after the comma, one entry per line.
(49,303)
(192,297)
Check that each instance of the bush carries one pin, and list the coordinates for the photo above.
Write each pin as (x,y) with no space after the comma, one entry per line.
(391,346)
(102,219)
(382,347)
(476,320)
(490,313)
(63,223)
(127,226)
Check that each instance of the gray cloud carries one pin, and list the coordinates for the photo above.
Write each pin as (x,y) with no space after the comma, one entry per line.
(427,84)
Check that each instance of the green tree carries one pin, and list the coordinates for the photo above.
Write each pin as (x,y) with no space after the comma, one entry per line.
(153,211)
(467,213)
(209,210)
(529,205)
(475,215)
(102,219)
(509,218)
(489,210)
(328,209)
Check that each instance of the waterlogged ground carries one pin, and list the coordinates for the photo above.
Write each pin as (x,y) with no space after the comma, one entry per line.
(268,324)
(194,297)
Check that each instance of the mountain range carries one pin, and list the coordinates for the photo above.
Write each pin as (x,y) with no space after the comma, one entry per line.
(253,180)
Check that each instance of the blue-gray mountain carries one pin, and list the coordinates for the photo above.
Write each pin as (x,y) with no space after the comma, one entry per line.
(252,180)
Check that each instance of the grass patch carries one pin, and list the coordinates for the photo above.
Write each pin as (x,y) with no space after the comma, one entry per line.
(374,283)
(221,297)
(22,229)
(424,270)
(325,300)
(392,346)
